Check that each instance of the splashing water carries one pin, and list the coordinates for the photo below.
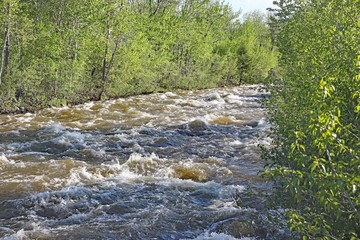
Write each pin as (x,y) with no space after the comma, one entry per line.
(159,166)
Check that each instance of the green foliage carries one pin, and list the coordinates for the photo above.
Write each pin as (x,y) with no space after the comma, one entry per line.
(255,52)
(71,51)
(315,111)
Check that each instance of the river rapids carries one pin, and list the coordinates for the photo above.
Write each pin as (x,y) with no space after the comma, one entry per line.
(169,165)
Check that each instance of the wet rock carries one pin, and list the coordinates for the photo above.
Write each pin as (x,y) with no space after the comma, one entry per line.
(120,209)
(197,125)
(53,213)
(246,226)
(274,221)
(213,96)
(196,172)
(251,124)
(222,120)
(161,142)
(146,131)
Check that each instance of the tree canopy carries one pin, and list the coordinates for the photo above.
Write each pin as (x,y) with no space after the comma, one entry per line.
(71,51)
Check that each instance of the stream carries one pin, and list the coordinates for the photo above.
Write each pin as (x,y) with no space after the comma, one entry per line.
(174,165)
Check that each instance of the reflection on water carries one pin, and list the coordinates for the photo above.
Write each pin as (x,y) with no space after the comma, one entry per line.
(159,166)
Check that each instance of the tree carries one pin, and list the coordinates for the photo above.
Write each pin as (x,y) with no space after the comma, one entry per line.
(5,59)
(315,112)
(67,51)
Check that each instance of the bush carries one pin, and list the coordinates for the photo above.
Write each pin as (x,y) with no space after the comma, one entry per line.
(315,109)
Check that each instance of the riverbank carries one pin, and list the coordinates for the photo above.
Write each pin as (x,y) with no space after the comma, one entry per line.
(20,106)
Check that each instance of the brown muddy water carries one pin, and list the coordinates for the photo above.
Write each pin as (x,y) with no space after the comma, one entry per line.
(161,166)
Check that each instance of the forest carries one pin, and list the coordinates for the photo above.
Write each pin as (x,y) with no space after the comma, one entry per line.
(315,110)
(64,52)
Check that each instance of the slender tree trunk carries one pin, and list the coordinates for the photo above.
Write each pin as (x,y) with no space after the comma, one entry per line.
(5,55)
(60,14)
(157,8)
(111,62)
(104,65)
(104,76)
(107,65)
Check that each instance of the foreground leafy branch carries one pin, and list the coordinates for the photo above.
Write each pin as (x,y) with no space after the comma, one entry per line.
(315,159)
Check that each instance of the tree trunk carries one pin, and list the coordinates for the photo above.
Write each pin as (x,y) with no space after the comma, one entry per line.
(5,54)
(107,65)
(104,65)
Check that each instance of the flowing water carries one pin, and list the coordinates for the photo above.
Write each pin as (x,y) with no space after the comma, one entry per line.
(161,166)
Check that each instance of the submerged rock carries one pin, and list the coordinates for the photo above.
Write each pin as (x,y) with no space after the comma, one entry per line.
(197,125)
(245,226)
(196,172)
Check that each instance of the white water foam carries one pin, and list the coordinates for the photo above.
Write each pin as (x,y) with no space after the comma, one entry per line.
(217,236)
(70,138)
(4,160)
(34,231)
(55,127)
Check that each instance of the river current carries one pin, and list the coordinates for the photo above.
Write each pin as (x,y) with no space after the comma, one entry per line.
(169,165)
